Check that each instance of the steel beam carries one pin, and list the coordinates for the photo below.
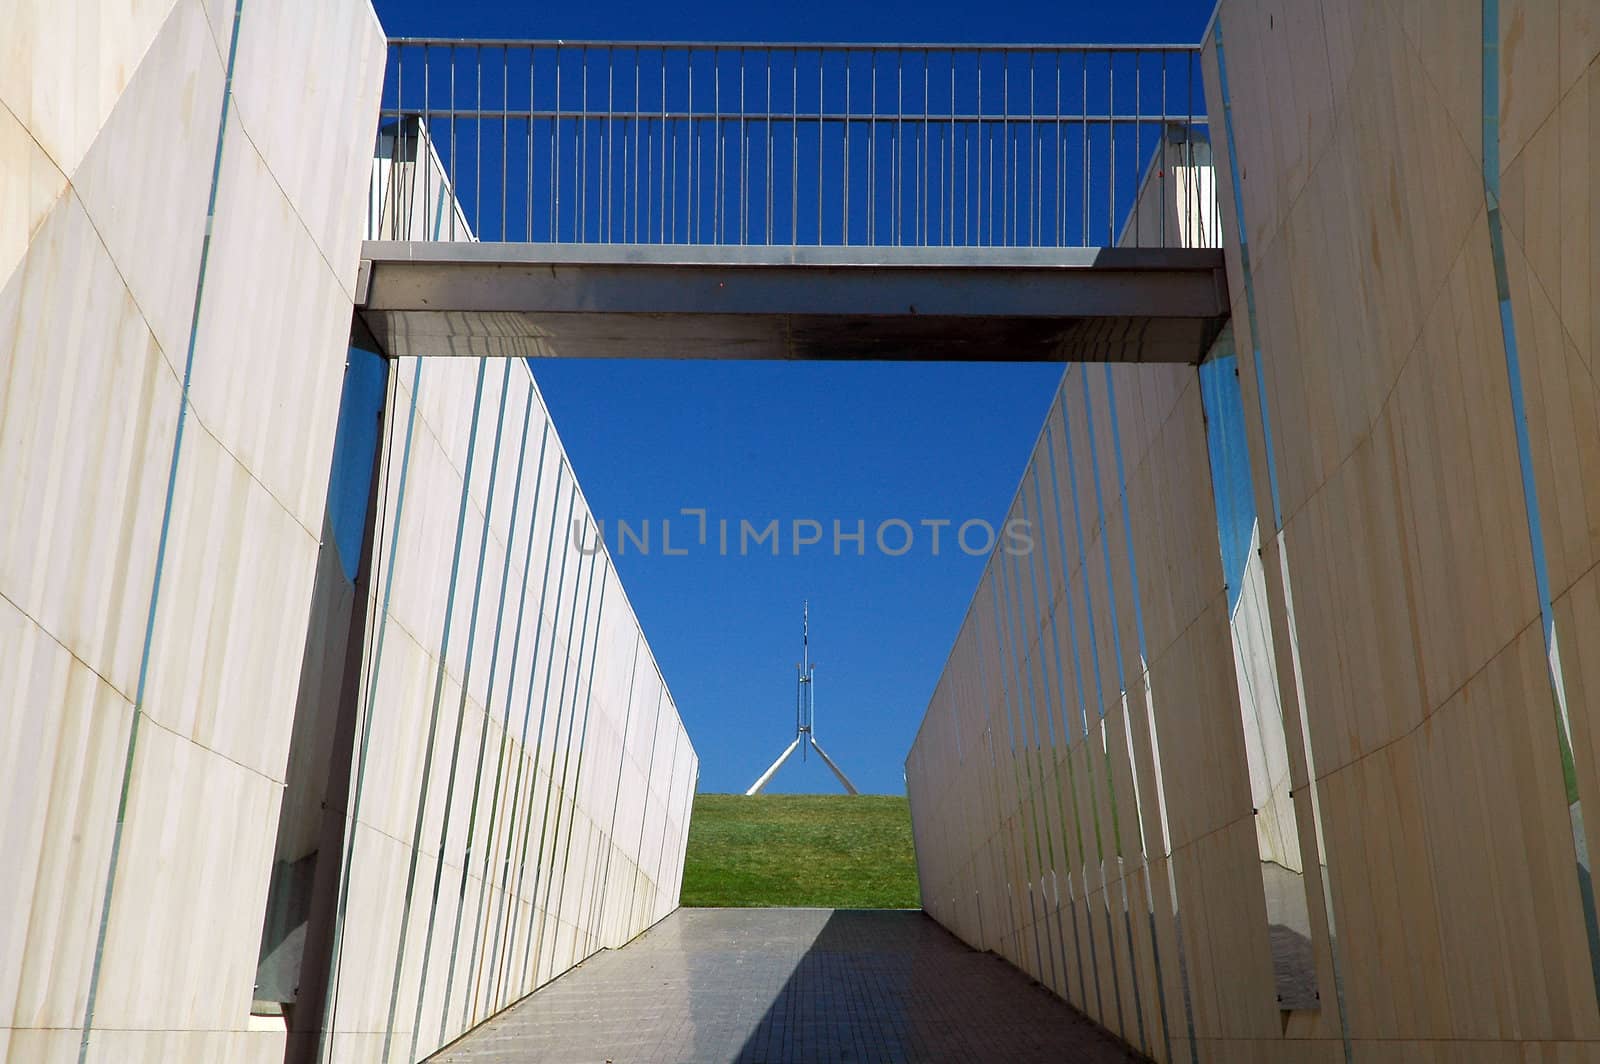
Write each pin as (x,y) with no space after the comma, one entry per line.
(901,304)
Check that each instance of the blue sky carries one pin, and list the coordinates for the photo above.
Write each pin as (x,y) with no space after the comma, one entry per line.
(887,21)
(820,441)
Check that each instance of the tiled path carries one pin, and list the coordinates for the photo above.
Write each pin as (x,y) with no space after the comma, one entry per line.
(723,985)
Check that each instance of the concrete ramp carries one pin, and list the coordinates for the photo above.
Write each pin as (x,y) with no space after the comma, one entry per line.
(789,985)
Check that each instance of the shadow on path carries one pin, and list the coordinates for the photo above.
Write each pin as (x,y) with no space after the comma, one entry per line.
(768,985)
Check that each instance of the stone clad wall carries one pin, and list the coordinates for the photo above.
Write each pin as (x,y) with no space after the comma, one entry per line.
(1405,567)
(159,584)
(109,141)
(1066,713)
(1432,610)
(513,721)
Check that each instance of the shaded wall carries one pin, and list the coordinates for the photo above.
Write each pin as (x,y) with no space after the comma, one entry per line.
(1068,710)
(1425,570)
(1434,595)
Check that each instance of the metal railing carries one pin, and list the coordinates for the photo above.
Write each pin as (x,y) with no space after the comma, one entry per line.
(847,144)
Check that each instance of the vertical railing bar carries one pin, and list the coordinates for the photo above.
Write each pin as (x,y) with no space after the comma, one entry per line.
(768,236)
(727,175)
(1033,62)
(1008,205)
(821,121)
(664,52)
(1084,130)
(922,133)
(427,171)
(1060,145)
(658,220)
(639,143)
(944,189)
(1188,141)
(872,154)
(550,201)
(379,181)
(950,231)
(680,123)
(1138,146)
(647,148)
(555,157)
(698,124)
(669,173)
(1186,158)
(402,187)
(989,212)
(617,179)
(1189,150)
(844,211)
(608,192)
(913,180)
(899,139)
(386,192)
(1041,164)
(382,204)
(1214,214)
(505,135)
(977,59)
(722,186)
(1014,193)
(1111,148)
(528,212)
(454,196)
(1162,148)
(402,136)
(690,144)
(477,150)
(967,172)
(405,191)
(794,146)
(583,154)
(697,227)
(744,155)
(716,145)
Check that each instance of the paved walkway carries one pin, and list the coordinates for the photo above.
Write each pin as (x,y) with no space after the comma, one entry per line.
(724,985)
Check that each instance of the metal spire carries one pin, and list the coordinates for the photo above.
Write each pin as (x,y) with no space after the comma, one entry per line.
(804,714)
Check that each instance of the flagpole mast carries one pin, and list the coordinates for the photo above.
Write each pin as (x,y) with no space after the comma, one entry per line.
(805,715)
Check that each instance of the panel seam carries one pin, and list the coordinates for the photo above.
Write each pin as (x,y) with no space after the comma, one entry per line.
(161,551)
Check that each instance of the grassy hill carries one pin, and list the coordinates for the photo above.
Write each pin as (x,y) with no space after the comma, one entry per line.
(822,850)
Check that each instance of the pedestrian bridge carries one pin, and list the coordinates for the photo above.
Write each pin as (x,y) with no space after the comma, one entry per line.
(604,199)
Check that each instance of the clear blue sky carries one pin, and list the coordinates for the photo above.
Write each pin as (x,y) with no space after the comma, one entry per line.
(889,21)
(824,441)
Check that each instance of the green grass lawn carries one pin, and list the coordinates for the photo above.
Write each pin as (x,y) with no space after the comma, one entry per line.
(822,850)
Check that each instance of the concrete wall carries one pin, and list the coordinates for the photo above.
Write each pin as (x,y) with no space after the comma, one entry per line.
(170,390)
(1405,571)
(521,782)
(109,142)
(1067,710)
(1431,613)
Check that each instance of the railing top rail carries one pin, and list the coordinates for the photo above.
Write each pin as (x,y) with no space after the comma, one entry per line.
(785,46)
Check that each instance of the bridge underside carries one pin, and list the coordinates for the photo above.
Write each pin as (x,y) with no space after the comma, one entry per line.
(902,304)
